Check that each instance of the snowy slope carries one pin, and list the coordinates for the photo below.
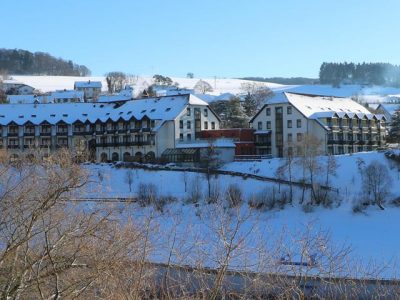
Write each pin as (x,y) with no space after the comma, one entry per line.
(373,235)
(51,83)
(366,93)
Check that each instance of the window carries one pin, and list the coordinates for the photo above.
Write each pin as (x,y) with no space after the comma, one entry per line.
(259,127)
(189,137)
(289,123)
(181,137)
(188,125)
(205,125)
(181,124)
(152,123)
(289,110)
(212,125)
(290,137)
(299,137)
(268,111)
(268,124)
(188,112)
(298,123)
(206,112)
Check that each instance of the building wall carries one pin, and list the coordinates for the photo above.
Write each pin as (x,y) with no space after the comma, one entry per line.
(330,138)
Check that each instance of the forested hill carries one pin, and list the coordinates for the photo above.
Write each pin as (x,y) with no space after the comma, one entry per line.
(366,73)
(22,62)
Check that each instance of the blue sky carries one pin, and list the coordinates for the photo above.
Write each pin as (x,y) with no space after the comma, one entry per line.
(224,38)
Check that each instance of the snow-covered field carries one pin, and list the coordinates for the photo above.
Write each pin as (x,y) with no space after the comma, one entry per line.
(219,85)
(372,235)
(369,94)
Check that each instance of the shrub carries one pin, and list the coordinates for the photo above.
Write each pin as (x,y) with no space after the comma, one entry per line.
(234,195)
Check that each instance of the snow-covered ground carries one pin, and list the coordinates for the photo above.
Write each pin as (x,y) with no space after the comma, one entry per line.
(219,85)
(366,94)
(372,235)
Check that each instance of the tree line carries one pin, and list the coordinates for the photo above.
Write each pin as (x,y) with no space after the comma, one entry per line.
(362,73)
(23,62)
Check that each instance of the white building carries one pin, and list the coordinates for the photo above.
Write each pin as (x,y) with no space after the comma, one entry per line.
(14,87)
(388,110)
(91,89)
(141,129)
(340,124)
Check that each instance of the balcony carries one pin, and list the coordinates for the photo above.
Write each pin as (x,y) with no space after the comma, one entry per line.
(12,133)
(13,146)
(62,132)
(29,133)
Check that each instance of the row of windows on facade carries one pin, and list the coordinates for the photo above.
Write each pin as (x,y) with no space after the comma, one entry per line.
(196,112)
(64,141)
(349,122)
(289,124)
(14,129)
(189,125)
(279,110)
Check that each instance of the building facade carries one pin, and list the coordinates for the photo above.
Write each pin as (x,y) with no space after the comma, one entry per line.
(340,125)
(126,130)
(91,89)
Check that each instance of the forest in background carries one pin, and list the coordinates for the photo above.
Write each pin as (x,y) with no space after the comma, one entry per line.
(23,62)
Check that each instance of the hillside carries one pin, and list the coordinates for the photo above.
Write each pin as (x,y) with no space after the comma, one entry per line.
(219,85)
(363,232)
(21,62)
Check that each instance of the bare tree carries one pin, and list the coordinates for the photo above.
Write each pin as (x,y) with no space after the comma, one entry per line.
(115,81)
(203,87)
(376,183)
(129,178)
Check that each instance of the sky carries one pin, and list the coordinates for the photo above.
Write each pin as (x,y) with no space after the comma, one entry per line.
(223,38)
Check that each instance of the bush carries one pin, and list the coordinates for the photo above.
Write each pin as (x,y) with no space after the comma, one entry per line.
(147,193)
(234,195)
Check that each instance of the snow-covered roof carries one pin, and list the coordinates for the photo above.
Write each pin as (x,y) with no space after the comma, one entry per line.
(88,84)
(163,108)
(18,99)
(390,108)
(218,143)
(67,94)
(113,98)
(314,107)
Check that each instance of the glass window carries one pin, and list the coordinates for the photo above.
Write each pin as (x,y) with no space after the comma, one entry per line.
(289,123)
(298,123)
(268,125)
(290,137)
(289,110)
(259,127)
(189,137)
(188,125)
(206,112)
(181,124)
(188,112)
(205,125)
(212,125)
(268,110)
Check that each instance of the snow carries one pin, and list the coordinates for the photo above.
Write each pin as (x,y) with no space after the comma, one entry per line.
(219,85)
(164,108)
(318,107)
(88,84)
(342,91)
(373,235)
(218,143)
